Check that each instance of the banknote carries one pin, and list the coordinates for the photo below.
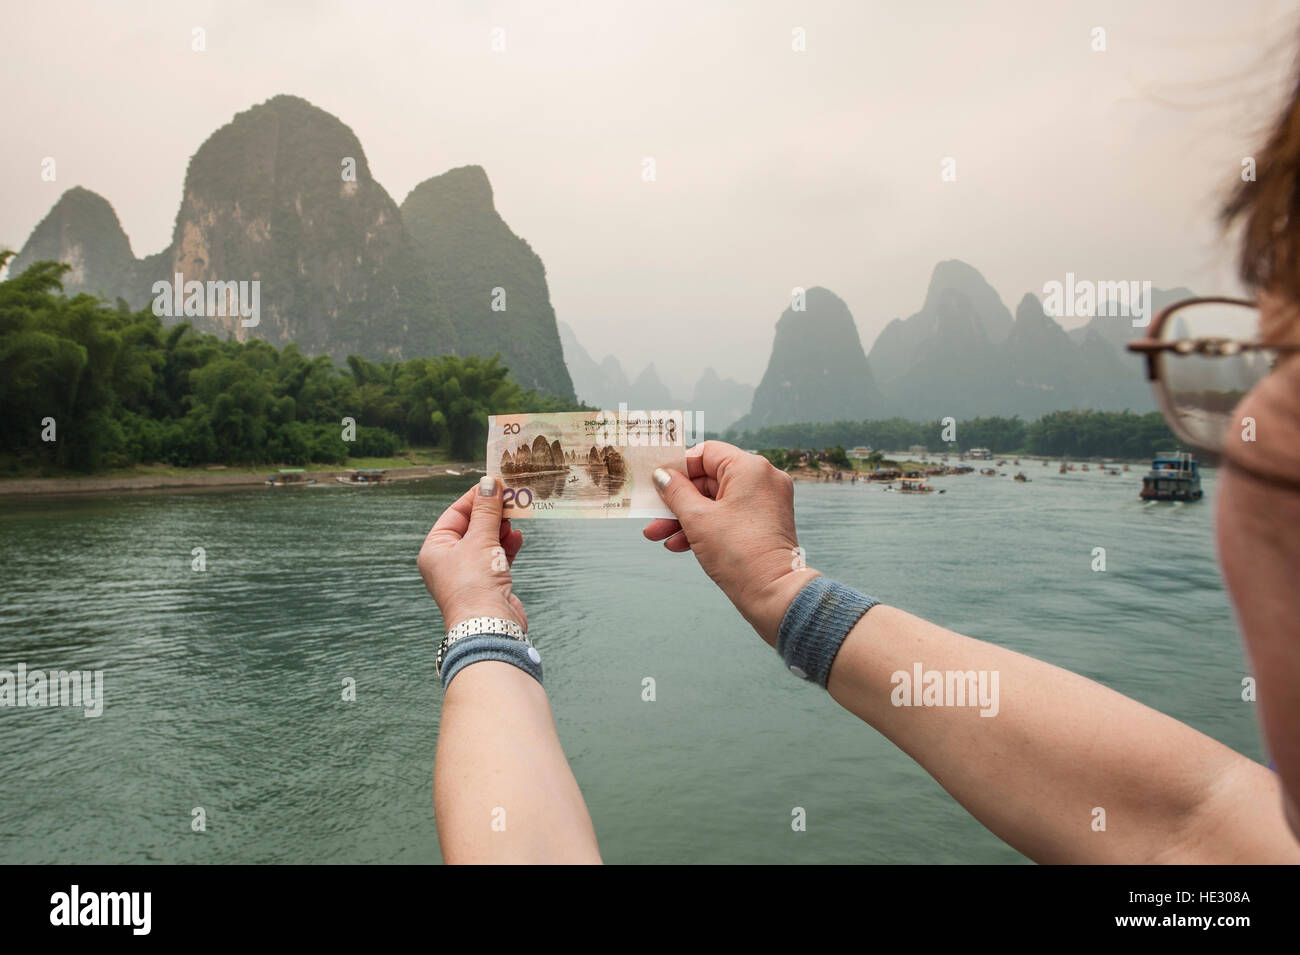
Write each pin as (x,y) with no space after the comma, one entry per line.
(584,463)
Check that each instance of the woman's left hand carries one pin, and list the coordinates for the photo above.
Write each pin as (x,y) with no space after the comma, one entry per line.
(466,559)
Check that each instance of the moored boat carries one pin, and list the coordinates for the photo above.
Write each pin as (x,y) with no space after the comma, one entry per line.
(363,477)
(290,477)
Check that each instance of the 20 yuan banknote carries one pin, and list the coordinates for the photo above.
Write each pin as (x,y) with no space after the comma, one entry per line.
(584,463)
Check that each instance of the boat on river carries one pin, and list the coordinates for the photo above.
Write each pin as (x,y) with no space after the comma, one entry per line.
(1174,477)
(914,486)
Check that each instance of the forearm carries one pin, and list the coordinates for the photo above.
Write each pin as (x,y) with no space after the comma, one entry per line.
(502,789)
(1059,747)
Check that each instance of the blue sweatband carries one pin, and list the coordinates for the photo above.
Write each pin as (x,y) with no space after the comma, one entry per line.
(488,646)
(815,625)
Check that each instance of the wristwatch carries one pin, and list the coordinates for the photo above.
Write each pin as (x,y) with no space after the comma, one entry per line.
(474,626)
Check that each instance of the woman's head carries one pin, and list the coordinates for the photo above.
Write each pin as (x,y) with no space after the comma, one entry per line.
(1259,549)
(1258,513)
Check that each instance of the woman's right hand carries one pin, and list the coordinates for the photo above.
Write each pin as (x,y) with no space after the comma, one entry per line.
(735,512)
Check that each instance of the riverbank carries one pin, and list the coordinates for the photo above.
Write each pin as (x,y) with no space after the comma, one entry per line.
(165,478)
(1009,465)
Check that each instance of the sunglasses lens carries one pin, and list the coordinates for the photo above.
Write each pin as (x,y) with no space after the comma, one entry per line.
(1208,376)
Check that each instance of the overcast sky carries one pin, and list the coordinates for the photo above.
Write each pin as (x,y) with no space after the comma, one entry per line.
(775,168)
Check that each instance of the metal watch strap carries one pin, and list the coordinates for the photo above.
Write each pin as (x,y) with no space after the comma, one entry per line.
(474,626)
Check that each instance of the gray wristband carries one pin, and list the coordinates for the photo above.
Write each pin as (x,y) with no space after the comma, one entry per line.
(815,625)
(489,646)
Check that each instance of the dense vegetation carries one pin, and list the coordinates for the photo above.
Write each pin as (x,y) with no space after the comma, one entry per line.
(786,459)
(123,389)
(1074,434)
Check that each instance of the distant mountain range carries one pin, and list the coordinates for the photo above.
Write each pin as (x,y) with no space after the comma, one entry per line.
(720,401)
(963,354)
(283,195)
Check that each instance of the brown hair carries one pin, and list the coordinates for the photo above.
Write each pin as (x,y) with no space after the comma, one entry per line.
(1270,206)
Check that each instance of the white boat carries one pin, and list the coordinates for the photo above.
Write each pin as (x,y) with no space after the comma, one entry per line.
(290,477)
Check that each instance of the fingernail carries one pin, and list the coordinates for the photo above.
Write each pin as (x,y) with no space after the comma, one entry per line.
(661,478)
(487,486)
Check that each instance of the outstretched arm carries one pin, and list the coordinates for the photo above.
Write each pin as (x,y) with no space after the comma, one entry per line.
(1060,746)
(502,789)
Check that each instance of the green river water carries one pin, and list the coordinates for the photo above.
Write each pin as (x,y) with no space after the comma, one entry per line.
(223,688)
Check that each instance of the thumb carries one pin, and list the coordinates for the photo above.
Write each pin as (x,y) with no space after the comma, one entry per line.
(680,494)
(485,514)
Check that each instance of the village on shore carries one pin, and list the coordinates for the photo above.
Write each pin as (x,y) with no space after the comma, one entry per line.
(865,464)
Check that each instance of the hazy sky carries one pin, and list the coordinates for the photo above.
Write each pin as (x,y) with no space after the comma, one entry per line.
(775,168)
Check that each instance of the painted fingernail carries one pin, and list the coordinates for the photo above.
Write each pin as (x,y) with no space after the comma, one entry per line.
(487,485)
(661,478)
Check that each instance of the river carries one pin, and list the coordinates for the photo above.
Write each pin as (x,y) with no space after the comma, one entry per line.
(223,688)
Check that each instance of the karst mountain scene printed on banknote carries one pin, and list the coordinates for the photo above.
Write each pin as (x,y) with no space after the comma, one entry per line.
(584,464)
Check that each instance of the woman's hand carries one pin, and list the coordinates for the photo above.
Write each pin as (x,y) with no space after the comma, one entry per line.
(735,511)
(466,559)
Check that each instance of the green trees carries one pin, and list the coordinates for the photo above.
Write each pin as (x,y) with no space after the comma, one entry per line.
(66,360)
(837,457)
(449,398)
(123,389)
(1116,434)
(1076,434)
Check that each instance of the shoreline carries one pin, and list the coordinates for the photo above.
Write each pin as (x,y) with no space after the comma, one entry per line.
(820,475)
(202,479)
